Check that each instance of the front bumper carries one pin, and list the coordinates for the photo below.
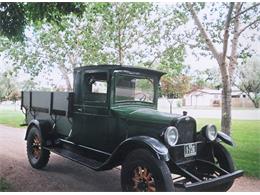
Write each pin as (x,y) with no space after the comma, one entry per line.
(198,172)
(201,175)
(204,185)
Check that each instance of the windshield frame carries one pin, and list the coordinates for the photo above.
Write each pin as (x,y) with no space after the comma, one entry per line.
(137,75)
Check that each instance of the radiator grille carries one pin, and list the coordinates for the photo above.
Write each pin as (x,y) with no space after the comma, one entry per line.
(187,130)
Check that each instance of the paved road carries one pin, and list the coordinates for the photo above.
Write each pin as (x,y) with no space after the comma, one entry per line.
(211,112)
(62,174)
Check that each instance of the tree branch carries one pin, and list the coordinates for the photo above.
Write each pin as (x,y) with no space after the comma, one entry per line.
(203,31)
(241,5)
(226,32)
(240,13)
(233,55)
(252,23)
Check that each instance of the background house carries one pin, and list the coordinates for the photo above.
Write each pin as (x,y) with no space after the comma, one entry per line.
(212,98)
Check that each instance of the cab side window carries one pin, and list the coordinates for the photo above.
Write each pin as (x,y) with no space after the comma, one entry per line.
(95,87)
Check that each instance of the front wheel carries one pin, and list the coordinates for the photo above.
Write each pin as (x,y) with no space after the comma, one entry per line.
(142,172)
(37,155)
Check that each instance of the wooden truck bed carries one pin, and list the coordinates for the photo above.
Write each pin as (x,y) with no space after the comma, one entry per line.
(53,106)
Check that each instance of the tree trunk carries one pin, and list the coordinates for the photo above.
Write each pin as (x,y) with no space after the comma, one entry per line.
(254,99)
(256,104)
(120,53)
(233,57)
(66,77)
(226,105)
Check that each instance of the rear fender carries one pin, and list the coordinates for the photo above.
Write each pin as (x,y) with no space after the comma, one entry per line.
(44,127)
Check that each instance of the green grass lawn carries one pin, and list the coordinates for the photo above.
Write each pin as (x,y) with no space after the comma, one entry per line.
(4,186)
(245,133)
(10,117)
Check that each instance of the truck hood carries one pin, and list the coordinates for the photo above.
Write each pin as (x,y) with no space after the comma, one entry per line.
(149,115)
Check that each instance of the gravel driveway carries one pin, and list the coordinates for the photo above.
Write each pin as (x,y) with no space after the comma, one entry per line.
(62,174)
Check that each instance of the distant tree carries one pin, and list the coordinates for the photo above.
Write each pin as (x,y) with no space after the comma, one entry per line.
(14,96)
(208,78)
(248,79)
(175,87)
(7,86)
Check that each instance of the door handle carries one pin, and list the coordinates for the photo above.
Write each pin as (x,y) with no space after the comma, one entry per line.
(79,109)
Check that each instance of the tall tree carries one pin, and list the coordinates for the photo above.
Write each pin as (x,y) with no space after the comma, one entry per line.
(140,33)
(142,37)
(47,48)
(234,19)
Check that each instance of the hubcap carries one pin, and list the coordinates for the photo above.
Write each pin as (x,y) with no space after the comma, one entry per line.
(143,180)
(36,147)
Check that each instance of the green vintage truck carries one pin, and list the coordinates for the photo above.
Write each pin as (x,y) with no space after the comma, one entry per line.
(111,119)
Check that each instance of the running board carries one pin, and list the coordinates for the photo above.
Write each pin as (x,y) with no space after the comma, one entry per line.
(93,164)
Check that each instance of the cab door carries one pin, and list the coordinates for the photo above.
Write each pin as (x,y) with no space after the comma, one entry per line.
(91,116)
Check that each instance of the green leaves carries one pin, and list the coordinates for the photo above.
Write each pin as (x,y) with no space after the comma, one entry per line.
(12,20)
(15,16)
(57,37)
(172,60)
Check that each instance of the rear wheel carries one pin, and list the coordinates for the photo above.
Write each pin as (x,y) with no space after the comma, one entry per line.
(224,160)
(142,172)
(37,155)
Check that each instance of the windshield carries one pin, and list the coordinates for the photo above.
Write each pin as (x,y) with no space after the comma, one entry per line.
(134,88)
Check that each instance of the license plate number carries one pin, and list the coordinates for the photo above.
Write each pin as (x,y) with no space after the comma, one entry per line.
(190,150)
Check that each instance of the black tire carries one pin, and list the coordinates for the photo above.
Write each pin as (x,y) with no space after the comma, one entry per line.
(37,156)
(224,161)
(153,176)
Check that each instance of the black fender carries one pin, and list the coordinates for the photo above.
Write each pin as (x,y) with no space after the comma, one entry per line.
(44,126)
(225,138)
(158,149)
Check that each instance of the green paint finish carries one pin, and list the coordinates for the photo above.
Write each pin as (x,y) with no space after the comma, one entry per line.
(144,114)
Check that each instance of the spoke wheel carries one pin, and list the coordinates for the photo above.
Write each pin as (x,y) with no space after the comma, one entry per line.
(37,155)
(143,172)
(143,180)
(36,147)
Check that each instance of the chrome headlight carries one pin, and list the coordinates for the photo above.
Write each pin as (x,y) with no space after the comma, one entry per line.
(211,132)
(171,136)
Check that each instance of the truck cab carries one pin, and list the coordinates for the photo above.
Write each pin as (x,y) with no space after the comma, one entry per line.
(111,119)
(102,90)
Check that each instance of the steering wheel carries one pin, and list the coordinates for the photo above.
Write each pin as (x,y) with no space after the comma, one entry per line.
(142,96)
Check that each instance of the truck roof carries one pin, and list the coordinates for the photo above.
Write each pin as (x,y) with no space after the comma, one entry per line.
(120,67)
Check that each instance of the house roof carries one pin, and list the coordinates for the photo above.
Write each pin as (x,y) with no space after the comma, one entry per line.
(235,91)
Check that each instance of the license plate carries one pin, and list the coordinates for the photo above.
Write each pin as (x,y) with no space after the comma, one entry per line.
(190,150)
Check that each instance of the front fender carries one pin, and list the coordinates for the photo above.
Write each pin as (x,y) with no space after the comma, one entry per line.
(225,138)
(158,149)
(154,145)
(43,125)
